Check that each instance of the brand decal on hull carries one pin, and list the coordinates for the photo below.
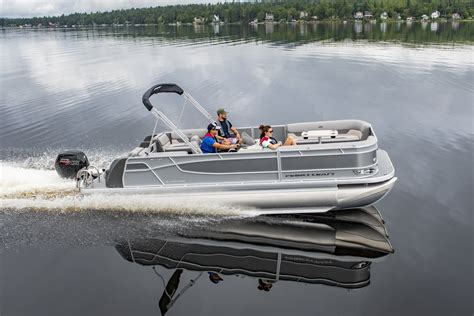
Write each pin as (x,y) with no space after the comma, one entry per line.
(309,174)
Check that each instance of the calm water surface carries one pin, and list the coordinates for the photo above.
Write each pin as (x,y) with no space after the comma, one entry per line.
(82,88)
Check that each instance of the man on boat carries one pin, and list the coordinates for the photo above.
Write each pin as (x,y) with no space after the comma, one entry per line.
(227,134)
(210,143)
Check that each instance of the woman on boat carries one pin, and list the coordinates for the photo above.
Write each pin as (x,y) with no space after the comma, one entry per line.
(267,140)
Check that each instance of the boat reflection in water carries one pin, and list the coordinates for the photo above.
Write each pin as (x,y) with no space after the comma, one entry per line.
(334,249)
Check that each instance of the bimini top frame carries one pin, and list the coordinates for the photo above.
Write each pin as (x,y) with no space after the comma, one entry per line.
(173,88)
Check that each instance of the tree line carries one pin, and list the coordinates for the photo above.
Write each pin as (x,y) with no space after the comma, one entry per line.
(248,11)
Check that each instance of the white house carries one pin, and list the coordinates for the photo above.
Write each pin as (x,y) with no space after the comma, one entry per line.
(435,15)
(216,19)
(268,17)
(368,15)
(424,17)
(198,21)
(358,15)
(456,16)
(384,15)
(303,14)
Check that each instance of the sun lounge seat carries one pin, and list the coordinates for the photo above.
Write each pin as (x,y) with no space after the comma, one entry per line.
(350,135)
(350,131)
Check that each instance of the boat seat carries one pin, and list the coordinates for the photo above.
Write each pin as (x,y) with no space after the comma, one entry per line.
(256,147)
(162,142)
(175,139)
(195,139)
(197,143)
(163,139)
(351,135)
(178,147)
(247,140)
(136,151)
(350,127)
(355,133)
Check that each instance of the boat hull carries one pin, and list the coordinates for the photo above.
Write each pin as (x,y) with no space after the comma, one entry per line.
(277,201)
(277,197)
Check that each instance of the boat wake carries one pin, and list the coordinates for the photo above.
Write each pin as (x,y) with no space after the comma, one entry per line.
(40,189)
(20,182)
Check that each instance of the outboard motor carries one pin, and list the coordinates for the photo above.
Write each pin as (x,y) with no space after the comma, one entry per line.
(68,163)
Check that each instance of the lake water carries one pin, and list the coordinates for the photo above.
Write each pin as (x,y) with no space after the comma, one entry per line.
(81,88)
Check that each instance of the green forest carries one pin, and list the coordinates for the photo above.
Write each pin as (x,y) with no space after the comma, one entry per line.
(248,11)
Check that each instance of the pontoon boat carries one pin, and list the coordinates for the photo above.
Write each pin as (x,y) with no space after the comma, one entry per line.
(335,165)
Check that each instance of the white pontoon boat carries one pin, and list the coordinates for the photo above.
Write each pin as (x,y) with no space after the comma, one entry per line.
(335,165)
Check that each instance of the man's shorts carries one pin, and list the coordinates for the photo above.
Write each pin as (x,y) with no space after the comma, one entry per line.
(231,141)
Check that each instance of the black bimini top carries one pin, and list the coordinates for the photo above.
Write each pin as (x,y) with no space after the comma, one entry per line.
(160,88)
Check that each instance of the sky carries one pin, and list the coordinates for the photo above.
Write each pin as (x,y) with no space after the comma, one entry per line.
(31,8)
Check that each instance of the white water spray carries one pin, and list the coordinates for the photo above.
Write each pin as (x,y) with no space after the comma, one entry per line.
(38,189)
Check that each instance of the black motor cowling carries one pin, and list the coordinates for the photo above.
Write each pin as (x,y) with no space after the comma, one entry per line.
(68,163)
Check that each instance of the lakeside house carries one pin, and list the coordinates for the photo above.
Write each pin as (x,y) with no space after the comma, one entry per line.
(303,15)
(384,15)
(216,19)
(254,22)
(314,18)
(198,21)
(410,19)
(456,16)
(358,15)
(268,17)
(368,15)
(435,15)
(424,17)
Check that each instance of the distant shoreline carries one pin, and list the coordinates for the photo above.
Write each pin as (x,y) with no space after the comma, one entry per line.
(236,23)
(256,13)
